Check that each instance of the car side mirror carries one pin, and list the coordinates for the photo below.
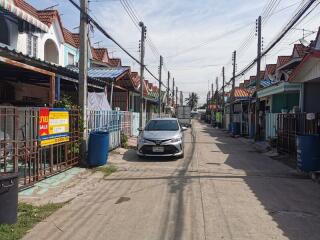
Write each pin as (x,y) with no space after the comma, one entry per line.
(140,129)
(184,129)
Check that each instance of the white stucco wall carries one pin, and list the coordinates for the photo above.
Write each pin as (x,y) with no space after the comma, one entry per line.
(56,36)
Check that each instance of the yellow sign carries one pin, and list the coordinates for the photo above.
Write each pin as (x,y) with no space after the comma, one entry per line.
(54,126)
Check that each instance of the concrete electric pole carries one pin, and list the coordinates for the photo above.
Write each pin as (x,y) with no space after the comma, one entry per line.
(173,92)
(143,36)
(168,89)
(176,95)
(234,59)
(257,132)
(83,73)
(217,91)
(223,80)
(181,98)
(160,75)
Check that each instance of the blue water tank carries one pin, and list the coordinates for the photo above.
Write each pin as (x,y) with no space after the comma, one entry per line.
(235,128)
(308,152)
(98,148)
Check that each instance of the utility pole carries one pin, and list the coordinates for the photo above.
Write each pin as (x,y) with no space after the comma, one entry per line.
(143,36)
(234,59)
(223,80)
(181,98)
(168,89)
(176,95)
(160,75)
(212,93)
(257,135)
(217,91)
(173,92)
(83,74)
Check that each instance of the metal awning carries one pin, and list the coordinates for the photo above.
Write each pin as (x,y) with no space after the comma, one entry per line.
(9,6)
(282,87)
(104,72)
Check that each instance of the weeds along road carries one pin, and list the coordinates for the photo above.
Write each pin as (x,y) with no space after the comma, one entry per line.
(222,189)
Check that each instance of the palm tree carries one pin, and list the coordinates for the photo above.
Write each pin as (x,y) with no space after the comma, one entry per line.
(192,100)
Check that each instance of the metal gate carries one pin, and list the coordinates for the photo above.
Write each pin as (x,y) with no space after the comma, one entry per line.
(21,152)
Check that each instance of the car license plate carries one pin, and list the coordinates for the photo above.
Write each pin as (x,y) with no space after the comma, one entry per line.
(158,149)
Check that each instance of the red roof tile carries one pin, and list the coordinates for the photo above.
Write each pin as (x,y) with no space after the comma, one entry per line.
(115,62)
(301,50)
(102,54)
(282,60)
(69,37)
(26,7)
(271,68)
(240,92)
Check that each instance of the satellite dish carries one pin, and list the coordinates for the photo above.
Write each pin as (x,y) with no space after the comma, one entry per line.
(304,42)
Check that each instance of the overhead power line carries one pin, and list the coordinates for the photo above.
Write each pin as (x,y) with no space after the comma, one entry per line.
(101,29)
(284,31)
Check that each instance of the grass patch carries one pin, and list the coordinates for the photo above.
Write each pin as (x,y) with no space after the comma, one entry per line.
(28,216)
(107,170)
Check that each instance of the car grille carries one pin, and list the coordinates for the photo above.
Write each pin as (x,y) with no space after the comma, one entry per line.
(168,149)
(158,141)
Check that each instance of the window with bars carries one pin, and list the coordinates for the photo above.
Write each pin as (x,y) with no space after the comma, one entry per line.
(32,45)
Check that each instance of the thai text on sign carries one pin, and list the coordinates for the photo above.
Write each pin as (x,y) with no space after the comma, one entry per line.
(53,126)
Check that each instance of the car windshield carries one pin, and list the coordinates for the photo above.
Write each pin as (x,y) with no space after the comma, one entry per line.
(162,125)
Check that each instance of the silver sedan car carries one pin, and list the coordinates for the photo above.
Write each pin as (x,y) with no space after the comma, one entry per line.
(161,137)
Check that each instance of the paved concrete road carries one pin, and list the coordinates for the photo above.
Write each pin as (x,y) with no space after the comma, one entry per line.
(222,189)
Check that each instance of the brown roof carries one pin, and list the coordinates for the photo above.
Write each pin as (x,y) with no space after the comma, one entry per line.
(76,38)
(94,54)
(70,38)
(115,62)
(271,68)
(301,50)
(45,16)
(101,53)
(282,60)
(26,7)
(240,92)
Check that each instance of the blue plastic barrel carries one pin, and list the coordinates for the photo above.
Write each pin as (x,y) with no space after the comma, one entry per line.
(235,128)
(308,152)
(98,149)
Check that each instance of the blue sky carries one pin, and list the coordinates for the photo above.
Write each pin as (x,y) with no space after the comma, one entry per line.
(196,38)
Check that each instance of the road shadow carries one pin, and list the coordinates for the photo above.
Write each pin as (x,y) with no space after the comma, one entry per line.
(292,202)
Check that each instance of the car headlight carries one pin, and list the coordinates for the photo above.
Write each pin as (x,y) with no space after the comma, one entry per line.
(174,140)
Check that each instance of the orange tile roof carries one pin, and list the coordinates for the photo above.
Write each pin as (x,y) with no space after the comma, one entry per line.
(101,53)
(115,62)
(301,50)
(271,68)
(240,92)
(282,60)
(26,7)
(69,37)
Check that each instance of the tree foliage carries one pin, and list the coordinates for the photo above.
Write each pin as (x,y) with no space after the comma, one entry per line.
(192,100)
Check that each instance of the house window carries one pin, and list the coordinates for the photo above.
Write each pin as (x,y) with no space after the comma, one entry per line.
(4,36)
(70,59)
(32,45)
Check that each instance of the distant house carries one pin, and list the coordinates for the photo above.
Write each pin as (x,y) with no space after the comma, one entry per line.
(307,73)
